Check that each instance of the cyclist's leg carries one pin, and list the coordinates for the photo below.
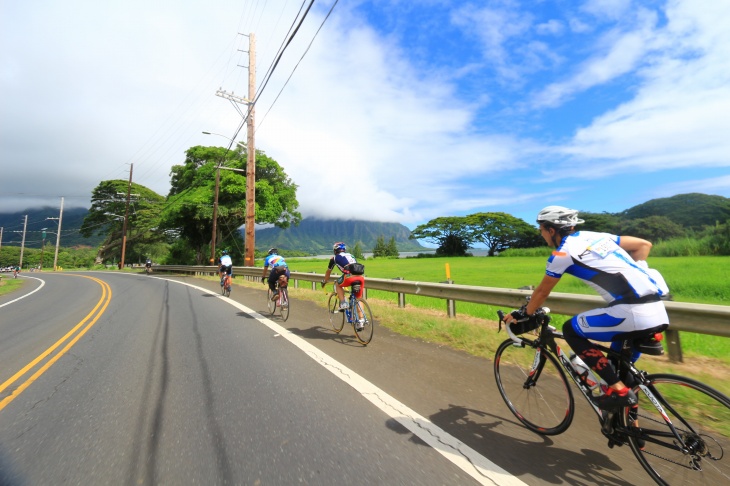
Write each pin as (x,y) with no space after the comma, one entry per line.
(340,291)
(273,276)
(349,281)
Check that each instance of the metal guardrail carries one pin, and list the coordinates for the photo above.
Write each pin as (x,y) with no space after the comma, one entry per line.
(697,318)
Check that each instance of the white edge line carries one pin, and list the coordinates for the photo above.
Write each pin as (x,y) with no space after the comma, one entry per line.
(43,282)
(470,461)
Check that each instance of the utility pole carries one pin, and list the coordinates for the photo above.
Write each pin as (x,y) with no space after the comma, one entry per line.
(251,152)
(215,213)
(126,215)
(22,243)
(251,162)
(58,237)
(1,237)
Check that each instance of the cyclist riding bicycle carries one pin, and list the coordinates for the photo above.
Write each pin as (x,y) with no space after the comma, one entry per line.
(226,265)
(344,262)
(148,265)
(616,267)
(278,268)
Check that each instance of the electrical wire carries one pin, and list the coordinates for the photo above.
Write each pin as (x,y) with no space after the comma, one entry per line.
(296,66)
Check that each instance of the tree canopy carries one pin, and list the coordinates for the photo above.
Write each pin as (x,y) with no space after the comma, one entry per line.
(106,217)
(450,233)
(500,231)
(190,203)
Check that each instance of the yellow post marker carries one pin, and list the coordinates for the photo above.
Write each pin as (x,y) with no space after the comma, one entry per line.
(448,272)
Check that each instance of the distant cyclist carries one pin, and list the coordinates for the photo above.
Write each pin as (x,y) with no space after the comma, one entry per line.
(226,265)
(343,260)
(16,271)
(278,267)
(614,266)
(148,265)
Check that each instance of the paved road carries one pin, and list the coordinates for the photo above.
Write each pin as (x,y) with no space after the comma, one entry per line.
(170,384)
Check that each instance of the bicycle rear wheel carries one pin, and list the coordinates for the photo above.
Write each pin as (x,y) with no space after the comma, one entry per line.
(270,304)
(284,303)
(364,335)
(701,418)
(337,318)
(539,397)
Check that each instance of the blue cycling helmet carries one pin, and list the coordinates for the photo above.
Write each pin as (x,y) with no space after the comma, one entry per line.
(339,247)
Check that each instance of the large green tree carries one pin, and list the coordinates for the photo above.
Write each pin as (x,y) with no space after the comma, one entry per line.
(189,210)
(450,233)
(500,231)
(106,217)
(652,228)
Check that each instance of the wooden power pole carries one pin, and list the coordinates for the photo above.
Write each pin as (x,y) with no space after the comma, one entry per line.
(126,215)
(251,162)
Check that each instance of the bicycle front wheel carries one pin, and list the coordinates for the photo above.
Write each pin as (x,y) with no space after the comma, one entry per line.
(539,396)
(337,318)
(284,303)
(701,418)
(365,334)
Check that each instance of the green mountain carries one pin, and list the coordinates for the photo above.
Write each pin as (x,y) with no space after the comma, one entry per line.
(12,224)
(316,236)
(688,210)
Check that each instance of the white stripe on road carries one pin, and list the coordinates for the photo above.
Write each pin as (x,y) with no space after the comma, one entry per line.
(43,282)
(463,456)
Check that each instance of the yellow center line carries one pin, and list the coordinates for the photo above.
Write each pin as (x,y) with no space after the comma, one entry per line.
(106,296)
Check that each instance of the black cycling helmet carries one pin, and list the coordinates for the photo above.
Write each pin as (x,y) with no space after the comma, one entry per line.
(273,250)
(224,252)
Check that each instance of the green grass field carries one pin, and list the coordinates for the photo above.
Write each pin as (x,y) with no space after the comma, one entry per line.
(703,280)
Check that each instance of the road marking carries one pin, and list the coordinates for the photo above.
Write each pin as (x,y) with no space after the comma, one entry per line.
(101,306)
(467,459)
(43,282)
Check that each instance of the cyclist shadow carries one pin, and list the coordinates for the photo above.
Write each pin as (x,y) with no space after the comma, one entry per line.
(479,430)
(326,334)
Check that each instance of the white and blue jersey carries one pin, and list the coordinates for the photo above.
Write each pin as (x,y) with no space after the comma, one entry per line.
(274,261)
(598,260)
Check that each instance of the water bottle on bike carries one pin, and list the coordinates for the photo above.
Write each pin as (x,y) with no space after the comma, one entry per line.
(586,375)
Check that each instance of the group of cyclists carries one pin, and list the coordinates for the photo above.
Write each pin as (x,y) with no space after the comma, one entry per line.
(615,266)
(275,267)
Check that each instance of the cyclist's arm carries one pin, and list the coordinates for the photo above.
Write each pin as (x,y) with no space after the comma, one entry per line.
(541,293)
(327,275)
(264,274)
(637,248)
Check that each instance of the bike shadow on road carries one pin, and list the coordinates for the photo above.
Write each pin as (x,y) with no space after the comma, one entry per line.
(327,334)
(533,455)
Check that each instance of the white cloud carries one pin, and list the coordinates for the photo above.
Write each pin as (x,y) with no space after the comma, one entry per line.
(620,53)
(680,116)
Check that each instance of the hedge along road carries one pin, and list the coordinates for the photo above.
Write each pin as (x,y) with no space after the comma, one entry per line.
(175,383)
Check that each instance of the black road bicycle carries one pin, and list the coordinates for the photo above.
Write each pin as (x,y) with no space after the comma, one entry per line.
(679,432)
(357,314)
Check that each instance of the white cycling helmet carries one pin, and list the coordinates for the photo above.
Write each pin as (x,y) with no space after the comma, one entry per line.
(559,216)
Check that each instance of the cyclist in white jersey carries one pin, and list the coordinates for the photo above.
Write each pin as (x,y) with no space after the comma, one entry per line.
(616,267)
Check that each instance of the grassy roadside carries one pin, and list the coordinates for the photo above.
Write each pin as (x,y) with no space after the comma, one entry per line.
(8,285)
(479,337)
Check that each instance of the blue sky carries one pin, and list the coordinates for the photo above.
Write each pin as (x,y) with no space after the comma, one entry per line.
(400,110)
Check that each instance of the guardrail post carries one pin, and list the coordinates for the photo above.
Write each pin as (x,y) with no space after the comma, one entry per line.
(401,296)
(450,304)
(674,346)
(314,284)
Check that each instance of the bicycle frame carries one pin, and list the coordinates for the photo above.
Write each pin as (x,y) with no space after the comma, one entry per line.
(610,427)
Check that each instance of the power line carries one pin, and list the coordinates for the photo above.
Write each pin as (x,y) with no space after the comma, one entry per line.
(297,65)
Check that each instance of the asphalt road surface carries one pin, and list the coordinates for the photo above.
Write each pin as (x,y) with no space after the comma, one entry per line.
(112,378)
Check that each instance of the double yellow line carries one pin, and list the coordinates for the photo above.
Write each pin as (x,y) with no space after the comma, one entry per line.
(70,339)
